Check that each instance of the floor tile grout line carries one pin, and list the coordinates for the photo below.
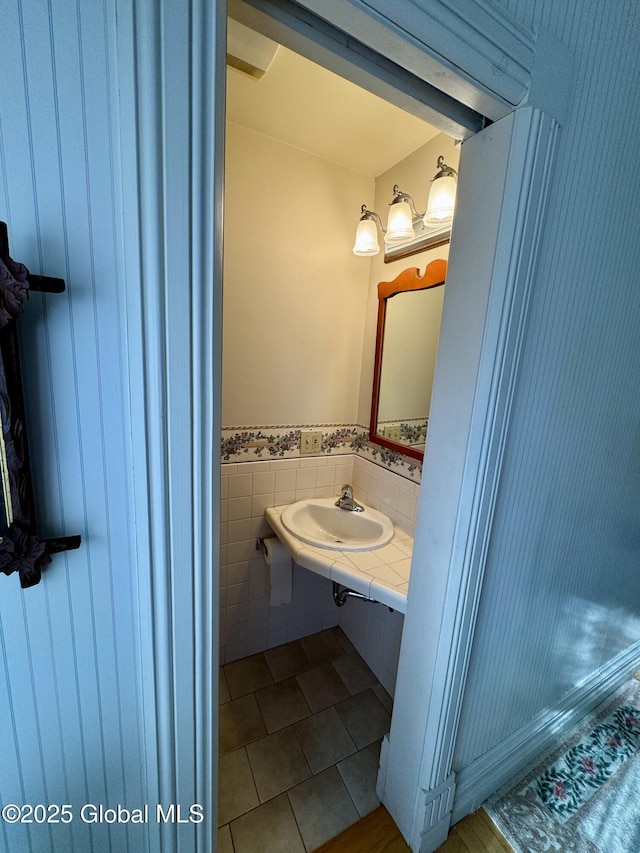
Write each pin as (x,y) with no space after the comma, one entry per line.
(348,794)
(346,787)
(295,817)
(300,744)
(292,786)
(311,714)
(357,749)
(288,790)
(311,771)
(255,785)
(312,776)
(280,683)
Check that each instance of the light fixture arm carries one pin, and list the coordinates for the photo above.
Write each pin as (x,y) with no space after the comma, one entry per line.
(365,213)
(400,196)
(445,171)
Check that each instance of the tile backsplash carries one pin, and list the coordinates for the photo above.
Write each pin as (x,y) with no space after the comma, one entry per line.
(245,444)
(248,623)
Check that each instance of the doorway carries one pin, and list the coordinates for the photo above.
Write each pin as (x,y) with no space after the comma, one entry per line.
(300,309)
(471,413)
(349,166)
(494,247)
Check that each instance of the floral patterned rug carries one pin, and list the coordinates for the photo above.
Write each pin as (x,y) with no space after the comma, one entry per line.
(585,797)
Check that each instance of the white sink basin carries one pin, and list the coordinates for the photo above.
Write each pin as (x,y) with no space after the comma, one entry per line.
(318,521)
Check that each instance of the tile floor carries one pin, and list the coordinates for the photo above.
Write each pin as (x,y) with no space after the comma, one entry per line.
(299,743)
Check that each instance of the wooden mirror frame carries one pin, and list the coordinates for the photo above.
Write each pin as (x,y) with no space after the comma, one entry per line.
(408,280)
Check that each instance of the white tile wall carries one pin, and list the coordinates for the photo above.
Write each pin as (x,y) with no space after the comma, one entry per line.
(386,491)
(248,624)
(376,633)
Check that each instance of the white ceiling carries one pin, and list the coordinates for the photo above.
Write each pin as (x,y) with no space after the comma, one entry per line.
(311,108)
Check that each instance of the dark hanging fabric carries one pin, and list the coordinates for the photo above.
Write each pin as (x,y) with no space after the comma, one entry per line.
(14,289)
(21,549)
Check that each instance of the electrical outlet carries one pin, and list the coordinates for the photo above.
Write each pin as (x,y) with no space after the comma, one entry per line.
(310,441)
(393,432)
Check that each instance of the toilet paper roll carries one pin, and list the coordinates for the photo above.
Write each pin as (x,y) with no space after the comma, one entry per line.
(279,561)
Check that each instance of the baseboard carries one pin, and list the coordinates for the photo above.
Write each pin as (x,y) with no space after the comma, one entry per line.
(432,814)
(484,776)
(432,817)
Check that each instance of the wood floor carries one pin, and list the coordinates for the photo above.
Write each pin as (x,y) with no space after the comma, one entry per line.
(477,833)
(377,833)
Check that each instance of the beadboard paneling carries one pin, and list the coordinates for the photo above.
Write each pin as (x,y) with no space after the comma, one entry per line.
(561,596)
(69,680)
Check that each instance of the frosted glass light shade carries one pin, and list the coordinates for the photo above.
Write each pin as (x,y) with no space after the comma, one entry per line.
(442,199)
(366,238)
(399,223)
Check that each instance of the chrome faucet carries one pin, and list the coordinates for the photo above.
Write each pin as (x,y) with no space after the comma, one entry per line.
(347,501)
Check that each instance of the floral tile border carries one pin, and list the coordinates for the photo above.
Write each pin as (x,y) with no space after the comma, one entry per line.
(248,444)
(413,431)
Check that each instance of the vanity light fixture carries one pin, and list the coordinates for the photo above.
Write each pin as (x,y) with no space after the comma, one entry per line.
(442,195)
(402,211)
(366,233)
(403,214)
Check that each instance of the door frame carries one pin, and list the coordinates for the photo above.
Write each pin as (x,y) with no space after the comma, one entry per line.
(171,76)
(170,64)
(492,262)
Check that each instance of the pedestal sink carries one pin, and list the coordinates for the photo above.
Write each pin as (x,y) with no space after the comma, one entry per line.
(319,522)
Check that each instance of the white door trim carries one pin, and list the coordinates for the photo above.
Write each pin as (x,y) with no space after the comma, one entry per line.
(491,267)
(469,49)
(170,55)
(321,42)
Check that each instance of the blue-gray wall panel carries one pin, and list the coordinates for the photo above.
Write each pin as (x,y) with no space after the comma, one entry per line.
(561,596)
(69,680)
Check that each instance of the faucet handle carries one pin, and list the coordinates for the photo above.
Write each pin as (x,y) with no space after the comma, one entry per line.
(346,500)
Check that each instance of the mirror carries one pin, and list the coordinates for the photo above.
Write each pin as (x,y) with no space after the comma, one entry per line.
(409,313)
